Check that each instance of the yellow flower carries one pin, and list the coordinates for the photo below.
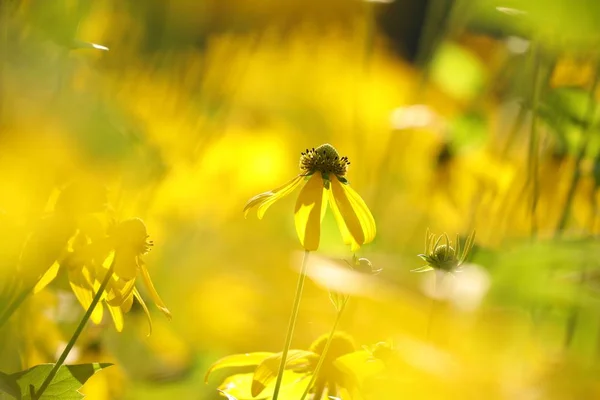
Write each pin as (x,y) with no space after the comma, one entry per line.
(324,172)
(337,376)
(88,261)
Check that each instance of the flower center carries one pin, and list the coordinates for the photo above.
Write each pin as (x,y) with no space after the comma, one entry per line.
(324,159)
(443,253)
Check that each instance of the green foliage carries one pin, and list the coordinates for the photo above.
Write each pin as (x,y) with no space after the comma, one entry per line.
(64,386)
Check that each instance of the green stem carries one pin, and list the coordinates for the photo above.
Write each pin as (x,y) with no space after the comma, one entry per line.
(14,305)
(315,373)
(76,334)
(292,325)
(533,159)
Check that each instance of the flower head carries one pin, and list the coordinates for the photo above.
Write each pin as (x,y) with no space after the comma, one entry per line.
(333,378)
(442,256)
(324,172)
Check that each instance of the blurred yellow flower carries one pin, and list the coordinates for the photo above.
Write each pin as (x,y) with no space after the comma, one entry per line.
(324,172)
(335,378)
(89,260)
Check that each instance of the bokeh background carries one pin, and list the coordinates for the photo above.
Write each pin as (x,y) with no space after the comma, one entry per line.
(456,115)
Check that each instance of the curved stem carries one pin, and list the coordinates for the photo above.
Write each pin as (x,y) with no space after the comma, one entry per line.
(292,325)
(76,334)
(315,373)
(14,305)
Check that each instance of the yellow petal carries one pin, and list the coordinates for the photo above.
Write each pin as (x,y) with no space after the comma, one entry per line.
(126,263)
(152,291)
(346,236)
(310,208)
(82,288)
(48,277)
(267,370)
(237,360)
(137,295)
(119,290)
(354,213)
(117,317)
(264,200)
(127,303)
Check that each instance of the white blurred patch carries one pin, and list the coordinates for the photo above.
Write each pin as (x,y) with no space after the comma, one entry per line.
(510,11)
(464,289)
(337,276)
(517,45)
(426,357)
(73,355)
(414,117)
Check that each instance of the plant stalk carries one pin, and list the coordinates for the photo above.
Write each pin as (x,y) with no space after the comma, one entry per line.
(315,374)
(292,325)
(76,334)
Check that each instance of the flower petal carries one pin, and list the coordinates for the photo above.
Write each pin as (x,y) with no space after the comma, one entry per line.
(346,236)
(48,277)
(264,200)
(138,297)
(117,317)
(267,370)
(356,215)
(310,208)
(152,291)
(237,360)
(84,292)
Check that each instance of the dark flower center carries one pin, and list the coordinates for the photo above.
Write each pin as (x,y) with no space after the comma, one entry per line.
(324,159)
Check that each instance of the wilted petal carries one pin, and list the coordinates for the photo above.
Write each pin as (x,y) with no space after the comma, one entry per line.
(264,200)
(310,209)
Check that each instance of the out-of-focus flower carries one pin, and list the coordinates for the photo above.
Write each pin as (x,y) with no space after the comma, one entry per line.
(89,260)
(324,172)
(442,256)
(331,382)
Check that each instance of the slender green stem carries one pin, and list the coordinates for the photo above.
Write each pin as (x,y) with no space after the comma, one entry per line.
(14,305)
(292,325)
(315,373)
(76,334)
(533,157)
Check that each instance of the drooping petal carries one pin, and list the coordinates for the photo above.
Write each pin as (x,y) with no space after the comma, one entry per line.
(79,279)
(48,277)
(138,297)
(126,263)
(346,235)
(310,208)
(237,360)
(117,317)
(357,217)
(152,291)
(264,200)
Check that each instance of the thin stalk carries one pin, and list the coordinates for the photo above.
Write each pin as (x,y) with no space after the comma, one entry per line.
(533,153)
(292,325)
(315,374)
(14,305)
(76,334)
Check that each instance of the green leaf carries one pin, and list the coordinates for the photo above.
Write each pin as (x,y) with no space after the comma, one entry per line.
(64,386)
(7,385)
(268,369)
(237,360)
